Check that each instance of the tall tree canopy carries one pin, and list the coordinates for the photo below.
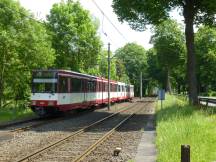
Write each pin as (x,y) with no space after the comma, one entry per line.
(168,41)
(206,54)
(141,13)
(133,57)
(24,45)
(155,73)
(74,36)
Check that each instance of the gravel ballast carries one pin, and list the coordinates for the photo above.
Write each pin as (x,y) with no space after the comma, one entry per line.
(26,142)
(127,138)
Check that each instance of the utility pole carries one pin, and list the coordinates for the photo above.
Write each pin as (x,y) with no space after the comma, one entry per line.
(141,85)
(109,76)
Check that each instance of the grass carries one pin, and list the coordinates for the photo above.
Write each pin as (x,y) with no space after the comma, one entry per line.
(10,114)
(178,123)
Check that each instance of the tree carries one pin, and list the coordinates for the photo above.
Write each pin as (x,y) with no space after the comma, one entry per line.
(141,13)
(24,45)
(103,65)
(168,41)
(205,40)
(156,74)
(133,57)
(74,36)
(121,72)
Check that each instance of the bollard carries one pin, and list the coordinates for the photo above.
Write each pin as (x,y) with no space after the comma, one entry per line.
(117,151)
(185,153)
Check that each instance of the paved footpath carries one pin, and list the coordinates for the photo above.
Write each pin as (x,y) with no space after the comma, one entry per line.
(146,151)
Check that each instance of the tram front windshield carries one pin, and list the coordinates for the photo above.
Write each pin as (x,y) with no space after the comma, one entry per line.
(44,82)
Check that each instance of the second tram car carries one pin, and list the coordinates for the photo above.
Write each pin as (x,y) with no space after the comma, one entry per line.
(61,90)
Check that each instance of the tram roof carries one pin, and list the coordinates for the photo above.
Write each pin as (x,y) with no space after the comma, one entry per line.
(73,72)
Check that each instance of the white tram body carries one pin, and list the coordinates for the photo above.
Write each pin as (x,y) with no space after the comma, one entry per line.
(62,90)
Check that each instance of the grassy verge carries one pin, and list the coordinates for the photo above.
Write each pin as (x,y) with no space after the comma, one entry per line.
(10,114)
(178,123)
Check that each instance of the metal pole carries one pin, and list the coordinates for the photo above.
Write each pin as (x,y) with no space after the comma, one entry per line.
(140,85)
(109,76)
(161,104)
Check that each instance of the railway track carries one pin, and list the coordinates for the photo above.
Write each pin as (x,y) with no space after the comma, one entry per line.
(80,143)
(4,126)
(39,122)
(30,124)
(35,125)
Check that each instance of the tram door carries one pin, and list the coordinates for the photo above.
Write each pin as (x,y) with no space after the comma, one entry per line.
(88,94)
(101,91)
(85,89)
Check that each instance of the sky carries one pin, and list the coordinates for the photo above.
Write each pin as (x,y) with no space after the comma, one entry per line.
(41,8)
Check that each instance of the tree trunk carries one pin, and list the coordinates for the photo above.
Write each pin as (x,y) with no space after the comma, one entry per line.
(2,82)
(189,12)
(168,85)
(179,87)
(1,93)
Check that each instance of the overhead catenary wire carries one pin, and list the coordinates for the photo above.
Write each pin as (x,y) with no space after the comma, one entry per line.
(41,22)
(102,30)
(120,33)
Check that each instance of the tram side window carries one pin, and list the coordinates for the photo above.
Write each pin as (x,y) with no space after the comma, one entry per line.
(63,85)
(106,87)
(97,87)
(100,87)
(76,85)
(103,86)
(91,86)
(112,87)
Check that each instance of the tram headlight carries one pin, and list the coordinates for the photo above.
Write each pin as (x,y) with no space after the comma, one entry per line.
(33,102)
(51,103)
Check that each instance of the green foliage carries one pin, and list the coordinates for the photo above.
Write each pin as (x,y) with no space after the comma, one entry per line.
(74,36)
(121,73)
(103,65)
(15,112)
(206,56)
(24,45)
(168,41)
(134,59)
(141,13)
(154,71)
(177,124)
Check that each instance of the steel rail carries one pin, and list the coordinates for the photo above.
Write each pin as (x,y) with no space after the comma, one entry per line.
(47,121)
(71,135)
(104,137)
(43,122)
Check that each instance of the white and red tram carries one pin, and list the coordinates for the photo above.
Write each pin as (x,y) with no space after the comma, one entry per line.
(61,90)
